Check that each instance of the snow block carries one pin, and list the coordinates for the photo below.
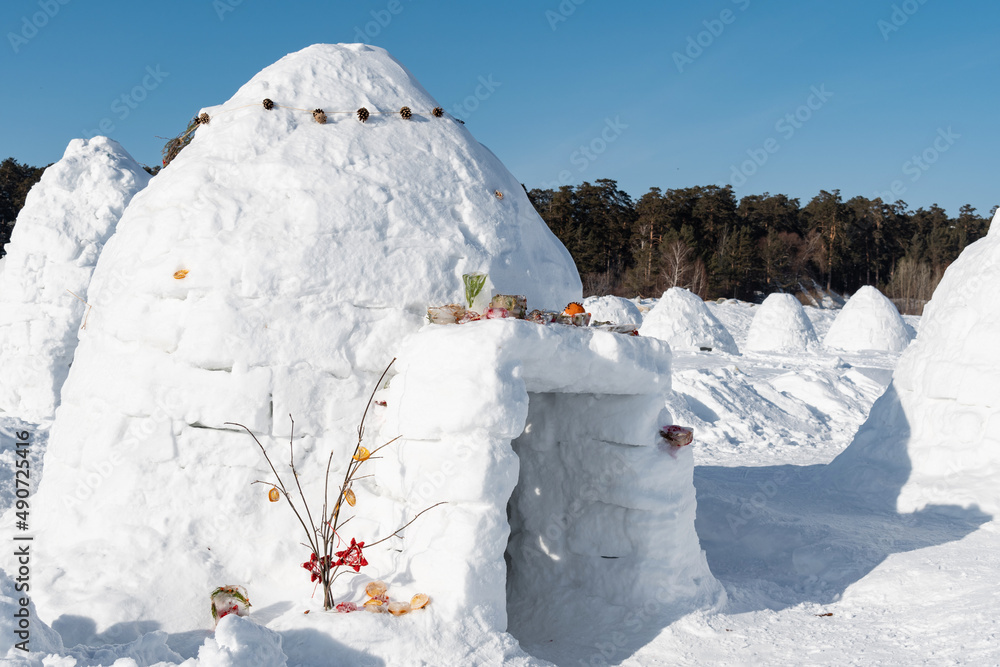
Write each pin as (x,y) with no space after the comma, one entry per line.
(934,438)
(556,428)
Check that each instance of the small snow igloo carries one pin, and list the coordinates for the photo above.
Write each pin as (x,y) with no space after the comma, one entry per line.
(564,506)
(682,319)
(66,220)
(869,321)
(933,438)
(781,325)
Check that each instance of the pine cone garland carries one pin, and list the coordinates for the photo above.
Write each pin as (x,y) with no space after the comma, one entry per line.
(437,112)
(319,116)
(363,114)
(268,104)
(406,113)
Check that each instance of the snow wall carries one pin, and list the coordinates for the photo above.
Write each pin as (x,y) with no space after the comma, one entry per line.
(933,438)
(274,267)
(557,428)
(869,321)
(682,319)
(66,220)
(781,325)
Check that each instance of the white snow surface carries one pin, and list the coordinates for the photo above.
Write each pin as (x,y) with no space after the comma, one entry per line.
(67,218)
(682,319)
(781,325)
(933,440)
(613,309)
(869,321)
(813,575)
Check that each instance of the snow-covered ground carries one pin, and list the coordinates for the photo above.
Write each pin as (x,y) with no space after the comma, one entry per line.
(812,576)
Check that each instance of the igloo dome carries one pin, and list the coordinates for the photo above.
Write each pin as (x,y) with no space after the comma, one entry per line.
(273,269)
(933,439)
(869,321)
(682,319)
(781,325)
(66,220)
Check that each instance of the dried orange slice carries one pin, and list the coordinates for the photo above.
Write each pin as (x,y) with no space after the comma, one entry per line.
(274,495)
(399,608)
(419,601)
(350,497)
(362,454)
(573,308)
(179,275)
(376,589)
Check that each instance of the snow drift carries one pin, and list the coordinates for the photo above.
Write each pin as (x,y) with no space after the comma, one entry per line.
(869,321)
(682,319)
(934,437)
(781,325)
(274,268)
(66,220)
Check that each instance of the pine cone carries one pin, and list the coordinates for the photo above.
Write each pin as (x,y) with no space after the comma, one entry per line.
(498,194)
(319,116)
(203,119)
(406,113)
(437,112)
(268,104)
(363,114)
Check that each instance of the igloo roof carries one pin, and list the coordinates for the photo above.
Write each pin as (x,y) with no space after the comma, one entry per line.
(272,269)
(869,321)
(780,325)
(682,319)
(66,220)
(934,437)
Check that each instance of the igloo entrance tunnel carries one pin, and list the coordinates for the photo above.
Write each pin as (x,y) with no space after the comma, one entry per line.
(561,503)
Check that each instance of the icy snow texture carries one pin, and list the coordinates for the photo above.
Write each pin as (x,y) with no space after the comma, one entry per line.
(66,220)
(781,325)
(869,321)
(614,309)
(311,251)
(934,437)
(683,320)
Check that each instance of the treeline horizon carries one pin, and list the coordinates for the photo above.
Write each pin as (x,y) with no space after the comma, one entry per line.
(702,238)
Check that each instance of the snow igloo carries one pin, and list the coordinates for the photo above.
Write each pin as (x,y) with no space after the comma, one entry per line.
(869,321)
(67,218)
(276,266)
(781,325)
(933,438)
(682,319)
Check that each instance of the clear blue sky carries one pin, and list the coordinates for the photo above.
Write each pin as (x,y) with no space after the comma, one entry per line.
(784,96)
